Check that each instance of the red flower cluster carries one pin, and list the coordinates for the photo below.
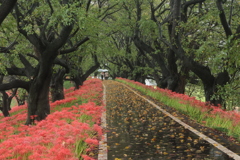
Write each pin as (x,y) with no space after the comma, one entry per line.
(185,99)
(55,137)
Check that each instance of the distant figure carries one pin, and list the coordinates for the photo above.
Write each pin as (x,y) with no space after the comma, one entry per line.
(237,109)
(106,76)
(102,75)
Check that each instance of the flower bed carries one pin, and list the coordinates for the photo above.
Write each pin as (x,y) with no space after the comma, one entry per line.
(71,132)
(211,116)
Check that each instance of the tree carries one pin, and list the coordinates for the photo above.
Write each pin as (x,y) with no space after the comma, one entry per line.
(123,56)
(52,29)
(47,43)
(176,37)
(56,86)
(210,81)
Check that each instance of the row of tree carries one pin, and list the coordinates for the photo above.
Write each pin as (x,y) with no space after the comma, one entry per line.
(176,42)
(43,42)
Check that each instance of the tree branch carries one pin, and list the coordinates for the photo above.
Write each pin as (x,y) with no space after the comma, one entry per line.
(15,84)
(75,47)
(188,3)
(6,8)
(15,71)
(223,18)
(93,68)
(50,5)
(7,49)
(61,40)
(88,5)
(29,69)
(105,12)
(160,4)
(33,38)
(62,63)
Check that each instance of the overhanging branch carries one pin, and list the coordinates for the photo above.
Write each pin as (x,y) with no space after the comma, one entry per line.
(15,84)
(75,47)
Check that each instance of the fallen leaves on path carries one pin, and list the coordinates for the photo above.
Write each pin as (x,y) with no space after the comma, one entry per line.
(137,130)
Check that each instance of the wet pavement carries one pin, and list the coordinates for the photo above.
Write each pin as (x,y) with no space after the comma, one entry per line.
(136,130)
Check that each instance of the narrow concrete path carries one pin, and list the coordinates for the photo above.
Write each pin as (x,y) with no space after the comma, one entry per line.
(102,154)
(140,130)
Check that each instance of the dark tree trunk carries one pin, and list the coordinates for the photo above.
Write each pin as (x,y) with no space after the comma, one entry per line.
(57,92)
(9,101)
(78,81)
(79,78)
(5,101)
(211,87)
(181,80)
(175,83)
(38,99)
(139,78)
(5,104)
(172,82)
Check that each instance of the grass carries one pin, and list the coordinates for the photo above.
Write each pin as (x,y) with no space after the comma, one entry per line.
(14,102)
(67,84)
(193,90)
(210,116)
(65,105)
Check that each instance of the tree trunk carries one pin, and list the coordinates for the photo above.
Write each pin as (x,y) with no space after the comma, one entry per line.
(139,78)
(175,83)
(57,92)
(38,99)
(5,101)
(5,104)
(78,81)
(181,84)
(80,77)
(183,76)
(211,88)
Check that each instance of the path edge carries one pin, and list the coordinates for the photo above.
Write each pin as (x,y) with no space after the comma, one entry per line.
(102,151)
(206,138)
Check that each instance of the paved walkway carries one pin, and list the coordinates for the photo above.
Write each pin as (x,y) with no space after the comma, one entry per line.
(137,129)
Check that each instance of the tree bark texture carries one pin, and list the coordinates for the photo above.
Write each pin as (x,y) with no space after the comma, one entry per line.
(5,104)
(57,92)
(38,99)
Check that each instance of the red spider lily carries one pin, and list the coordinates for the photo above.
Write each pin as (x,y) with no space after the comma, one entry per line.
(91,141)
(54,137)
(86,157)
(185,99)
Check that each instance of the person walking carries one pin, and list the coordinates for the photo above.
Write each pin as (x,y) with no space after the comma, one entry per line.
(102,75)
